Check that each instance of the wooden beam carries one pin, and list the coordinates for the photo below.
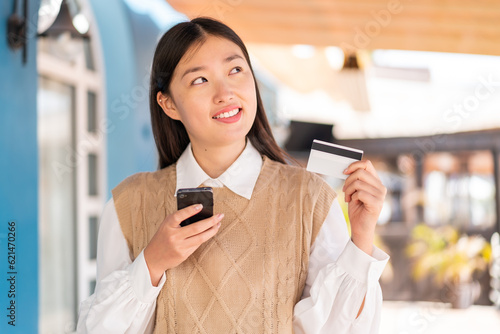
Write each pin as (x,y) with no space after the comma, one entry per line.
(437,25)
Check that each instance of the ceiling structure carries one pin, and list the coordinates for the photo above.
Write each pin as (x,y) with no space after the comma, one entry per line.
(461,26)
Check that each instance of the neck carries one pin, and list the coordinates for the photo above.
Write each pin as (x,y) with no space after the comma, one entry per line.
(216,160)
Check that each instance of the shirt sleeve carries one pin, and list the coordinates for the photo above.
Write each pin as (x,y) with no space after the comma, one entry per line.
(340,276)
(124,300)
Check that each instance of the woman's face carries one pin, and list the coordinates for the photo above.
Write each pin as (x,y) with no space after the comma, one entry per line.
(212,93)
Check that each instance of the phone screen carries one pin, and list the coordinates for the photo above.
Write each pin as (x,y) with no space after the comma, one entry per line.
(190,196)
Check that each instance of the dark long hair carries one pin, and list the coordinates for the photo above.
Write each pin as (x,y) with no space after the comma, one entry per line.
(170,135)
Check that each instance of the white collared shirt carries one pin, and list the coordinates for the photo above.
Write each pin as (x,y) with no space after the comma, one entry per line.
(339,275)
(240,177)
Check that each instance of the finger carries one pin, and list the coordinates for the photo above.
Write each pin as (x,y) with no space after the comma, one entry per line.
(363,175)
(201,226)
(363,187)
(362,164)
(197,239)
(370,202)
(359,185)
(360,177)
(178,217)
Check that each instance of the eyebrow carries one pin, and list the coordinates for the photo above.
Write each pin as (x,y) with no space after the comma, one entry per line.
(200,68)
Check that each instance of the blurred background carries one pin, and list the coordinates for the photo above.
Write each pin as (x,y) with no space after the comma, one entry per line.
(415,84)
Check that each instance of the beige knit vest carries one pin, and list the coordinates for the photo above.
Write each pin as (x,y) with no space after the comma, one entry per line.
(248,277)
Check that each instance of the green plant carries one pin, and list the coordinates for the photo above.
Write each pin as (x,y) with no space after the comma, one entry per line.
(446,255)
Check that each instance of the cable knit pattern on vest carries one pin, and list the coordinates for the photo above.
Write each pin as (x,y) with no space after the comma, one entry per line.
(247,278)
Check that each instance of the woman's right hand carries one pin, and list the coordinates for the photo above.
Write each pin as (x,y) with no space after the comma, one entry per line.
(172,244)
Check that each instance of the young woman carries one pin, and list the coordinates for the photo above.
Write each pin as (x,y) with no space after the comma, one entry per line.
(276,256)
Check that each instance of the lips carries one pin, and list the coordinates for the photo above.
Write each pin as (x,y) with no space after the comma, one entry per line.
(227,114)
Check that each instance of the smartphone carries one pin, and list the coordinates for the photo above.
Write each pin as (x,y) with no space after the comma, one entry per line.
(190,196)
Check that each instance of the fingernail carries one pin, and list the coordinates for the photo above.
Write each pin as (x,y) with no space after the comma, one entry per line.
(345,170)
(198,207)
(220,216)
(218,224)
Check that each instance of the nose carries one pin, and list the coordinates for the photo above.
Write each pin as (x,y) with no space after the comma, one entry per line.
(223,92)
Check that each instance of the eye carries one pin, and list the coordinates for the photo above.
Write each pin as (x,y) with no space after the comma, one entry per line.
(236,70)
(198,81)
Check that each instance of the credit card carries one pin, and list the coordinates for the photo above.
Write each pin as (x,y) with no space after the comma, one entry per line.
(332,159)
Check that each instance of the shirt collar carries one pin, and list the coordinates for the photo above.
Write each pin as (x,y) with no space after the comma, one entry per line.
(240,177)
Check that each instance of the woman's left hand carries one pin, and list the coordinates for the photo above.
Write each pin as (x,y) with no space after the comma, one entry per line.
(365,194)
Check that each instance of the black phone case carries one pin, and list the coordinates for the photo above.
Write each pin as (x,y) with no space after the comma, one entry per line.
(190,196)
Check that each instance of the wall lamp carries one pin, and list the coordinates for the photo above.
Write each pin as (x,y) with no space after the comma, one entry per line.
(17,26)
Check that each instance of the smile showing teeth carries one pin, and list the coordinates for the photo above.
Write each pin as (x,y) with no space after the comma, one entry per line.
(227,114)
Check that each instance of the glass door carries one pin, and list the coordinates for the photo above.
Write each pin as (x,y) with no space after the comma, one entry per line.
(57,220)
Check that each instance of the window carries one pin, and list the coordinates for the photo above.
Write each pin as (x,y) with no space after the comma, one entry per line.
(72,173)
(459,190)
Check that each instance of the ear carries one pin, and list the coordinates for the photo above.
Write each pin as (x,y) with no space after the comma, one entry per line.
(168,106)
